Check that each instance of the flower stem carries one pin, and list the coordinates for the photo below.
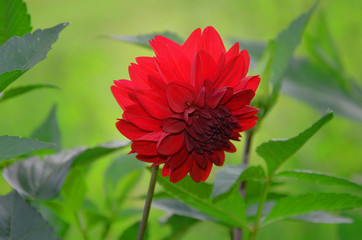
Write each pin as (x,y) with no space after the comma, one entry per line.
(260,209)
(238,232)
(146,209)
(80,223)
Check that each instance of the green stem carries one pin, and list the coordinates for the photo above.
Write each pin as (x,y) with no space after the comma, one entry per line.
(260,209)
(80,225)
(147,207)
(238,232)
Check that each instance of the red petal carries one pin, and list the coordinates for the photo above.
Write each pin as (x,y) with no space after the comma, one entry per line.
(198,174)
(170,143)
(246,111)
(121,92)
(200,99)
(173,125)
(200,160)
(240,99)
(154,104)
(178,158)
(179,96)
(217,157)
(233,51)
(246,57)
(212,43)
(192,44)
(147,148)
(230,149)
(151,159)
(166,170)
(214,100)
(129,130)
(247,123)
(179,173)
(232,73)
(203,67)
(249,82)
(137,115)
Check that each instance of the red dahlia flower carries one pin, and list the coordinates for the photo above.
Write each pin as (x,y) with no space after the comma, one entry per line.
(182,107)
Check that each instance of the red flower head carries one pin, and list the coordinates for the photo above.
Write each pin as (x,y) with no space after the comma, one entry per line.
(183,107)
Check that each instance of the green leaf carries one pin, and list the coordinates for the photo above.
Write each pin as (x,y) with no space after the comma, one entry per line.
(12,147)
(230,175)
(92,154)
(20,54)
(14,19)
(41,179)
(179,226)
(317,177)
(276,152)
(351,231)
(13,92)
(132,232)
(277,57)
(18,220)
(49,131)
(307,203)
(142,40)
(172,206)
(197,195)
(74,189)
(119,168)
(323,217)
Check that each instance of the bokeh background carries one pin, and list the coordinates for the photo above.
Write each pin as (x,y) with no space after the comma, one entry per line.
(83,64)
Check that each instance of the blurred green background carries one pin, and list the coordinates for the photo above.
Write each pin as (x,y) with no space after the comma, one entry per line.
(83,64)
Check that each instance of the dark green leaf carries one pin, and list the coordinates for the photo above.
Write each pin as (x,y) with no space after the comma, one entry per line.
(276,152)
(41,179)
(91,154)
(179,226)
(14,19)
(12,147)
(323,217)
(74,189)
(172,206)
(307,203)
(230,175)
(351,231)
(131,232)
(317,177)
(284,46)
(197,195)
(20,54)
(13,92)
(18,220)
(142,40)
(49,131)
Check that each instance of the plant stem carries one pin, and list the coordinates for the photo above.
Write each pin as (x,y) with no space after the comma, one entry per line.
(238,232)
(80,224)
(146,209)
(260,209)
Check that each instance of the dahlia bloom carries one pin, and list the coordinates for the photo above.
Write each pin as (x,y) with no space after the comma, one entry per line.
(183,106)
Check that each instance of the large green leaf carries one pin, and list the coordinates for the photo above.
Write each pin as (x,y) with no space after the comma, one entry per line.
(41,179)
(12,146)
(74,189)
(18,55)
(230,175)
(14,19)
(143,40)
(321,178)
(351,231)
(18,220)
(49,131)
(229,210)
(16,91)
(307,203)
(92,154)
(172,206)
(179,226)
(276,152)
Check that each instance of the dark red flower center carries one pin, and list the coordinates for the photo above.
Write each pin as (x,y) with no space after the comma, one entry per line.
(210,129)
